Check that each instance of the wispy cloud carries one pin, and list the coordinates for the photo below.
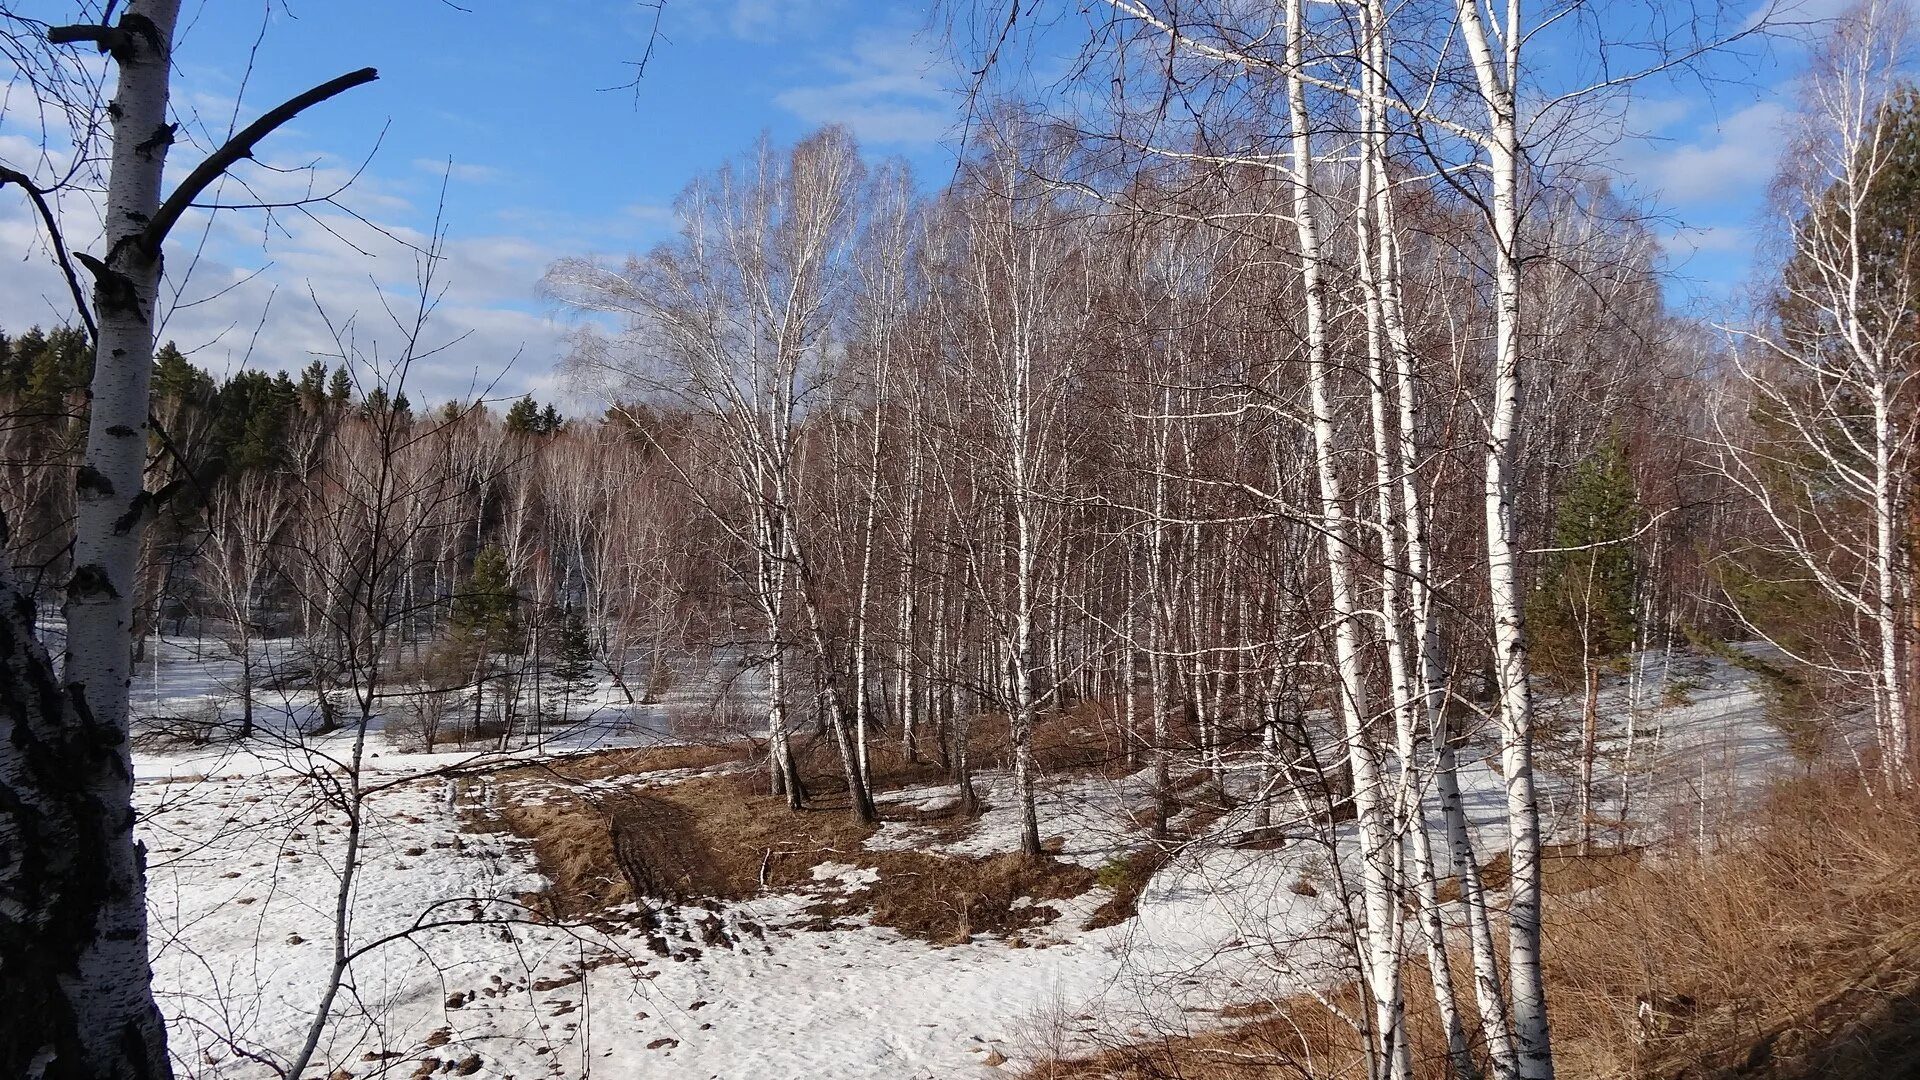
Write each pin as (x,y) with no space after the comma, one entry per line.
(1732,158)
(888,88)
(461,172)
(274,290)
(749,20)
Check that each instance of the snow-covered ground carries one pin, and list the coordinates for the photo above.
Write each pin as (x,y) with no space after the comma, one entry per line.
(190,683)
(246,853)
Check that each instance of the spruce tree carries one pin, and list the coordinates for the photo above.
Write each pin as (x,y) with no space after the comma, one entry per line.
(573,675)
(486,609)
(340,387)
(1582,611)
(485,620)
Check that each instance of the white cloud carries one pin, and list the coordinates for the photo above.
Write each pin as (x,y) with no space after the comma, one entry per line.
(460,172)
(1736,157)
(1684,243)
(1700,165)
(276,289)
(749,20)
(890,89)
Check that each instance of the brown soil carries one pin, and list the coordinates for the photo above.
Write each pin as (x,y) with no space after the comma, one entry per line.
(715,838)
(1128,879)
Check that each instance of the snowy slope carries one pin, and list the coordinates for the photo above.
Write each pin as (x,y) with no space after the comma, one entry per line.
(246,853)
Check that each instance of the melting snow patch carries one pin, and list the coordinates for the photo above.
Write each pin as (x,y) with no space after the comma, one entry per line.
(851,878)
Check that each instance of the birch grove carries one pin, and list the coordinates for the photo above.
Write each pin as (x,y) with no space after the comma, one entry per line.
(1284,436)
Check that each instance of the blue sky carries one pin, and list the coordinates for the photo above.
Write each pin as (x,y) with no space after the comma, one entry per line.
(547,162)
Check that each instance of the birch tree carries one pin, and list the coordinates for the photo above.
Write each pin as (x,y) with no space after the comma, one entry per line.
(74,971)
(740,314)
(1824,452)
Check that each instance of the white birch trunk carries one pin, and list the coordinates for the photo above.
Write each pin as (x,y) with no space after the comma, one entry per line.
(1512,673)
(1372,223)
(75,982)
(1377,845)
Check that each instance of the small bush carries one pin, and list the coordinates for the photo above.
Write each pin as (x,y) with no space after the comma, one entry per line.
(1679,691)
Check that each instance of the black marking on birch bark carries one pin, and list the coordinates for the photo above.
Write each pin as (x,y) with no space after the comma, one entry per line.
(113,290)
(91,582)
(161,138)
(91,481)
(78,693)
(118,431)
(136,23)
(138,509)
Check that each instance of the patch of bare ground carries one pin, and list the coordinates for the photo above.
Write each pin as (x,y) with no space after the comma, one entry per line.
(1788,949)
(636,760)
(720,837)
(1128,878)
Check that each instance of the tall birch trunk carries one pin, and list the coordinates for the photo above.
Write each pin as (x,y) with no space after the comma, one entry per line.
(76,988)
(1378,849)
(1372,222)
(1512,671)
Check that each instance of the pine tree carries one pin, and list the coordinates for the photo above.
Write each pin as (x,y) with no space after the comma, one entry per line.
(486,609)
(485,621)
(379,404)
(313,383)
(176,379)
(523,417)
(1582,614)
(529,417)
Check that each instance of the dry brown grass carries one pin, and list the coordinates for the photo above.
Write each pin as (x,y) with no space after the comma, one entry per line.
(1127,878)
(1798,943)
(721,838)
(1086,738)
(633,761)
(574,851)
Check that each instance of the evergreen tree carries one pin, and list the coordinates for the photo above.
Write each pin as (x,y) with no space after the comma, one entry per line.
(1583,610)
(485,621)
(54,366)
(379,403)
(523,417)
(486,609)
(251,416)
(528,417)
(175,378)
(340,386)
(573,674)
(313,384)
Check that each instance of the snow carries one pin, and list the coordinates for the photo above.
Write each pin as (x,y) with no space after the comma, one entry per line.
(246,854)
